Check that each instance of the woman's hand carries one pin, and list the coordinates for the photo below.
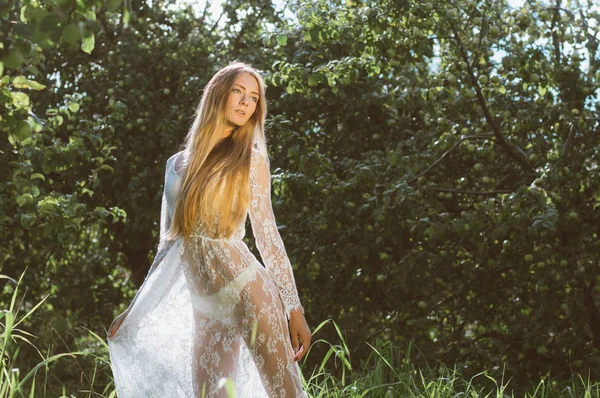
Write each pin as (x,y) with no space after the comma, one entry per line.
(299,330)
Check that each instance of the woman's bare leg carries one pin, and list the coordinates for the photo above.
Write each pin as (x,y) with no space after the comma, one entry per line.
(264,329)
(216,352)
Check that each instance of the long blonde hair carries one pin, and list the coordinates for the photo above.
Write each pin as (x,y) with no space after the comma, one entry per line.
(215,190)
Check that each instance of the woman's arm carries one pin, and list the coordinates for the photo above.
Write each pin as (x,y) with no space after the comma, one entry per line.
(268,239)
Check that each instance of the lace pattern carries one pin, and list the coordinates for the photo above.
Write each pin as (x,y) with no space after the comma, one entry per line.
(209,310)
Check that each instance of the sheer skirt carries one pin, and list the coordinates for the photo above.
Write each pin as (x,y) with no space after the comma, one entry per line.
(209,311)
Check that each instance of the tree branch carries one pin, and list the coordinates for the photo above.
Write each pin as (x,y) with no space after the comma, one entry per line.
(555,40)
(512,152)
(471,192)
(568,142)
(468,137)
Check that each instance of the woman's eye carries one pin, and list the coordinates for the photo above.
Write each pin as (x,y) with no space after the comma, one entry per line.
(255,99)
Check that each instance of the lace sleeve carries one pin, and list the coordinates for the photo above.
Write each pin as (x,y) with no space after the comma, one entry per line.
(165,224)
(268,239)
(164,245)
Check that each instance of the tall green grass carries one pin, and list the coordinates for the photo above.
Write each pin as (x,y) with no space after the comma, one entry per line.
(12,383)
(387,372)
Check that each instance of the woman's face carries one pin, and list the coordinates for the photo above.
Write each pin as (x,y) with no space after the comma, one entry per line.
(242,100)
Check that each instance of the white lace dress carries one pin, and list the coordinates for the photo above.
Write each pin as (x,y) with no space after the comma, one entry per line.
(208,310)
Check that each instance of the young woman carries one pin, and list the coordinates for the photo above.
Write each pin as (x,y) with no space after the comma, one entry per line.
(209,318)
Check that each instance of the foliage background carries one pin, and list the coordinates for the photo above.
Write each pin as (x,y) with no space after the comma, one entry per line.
(435,166)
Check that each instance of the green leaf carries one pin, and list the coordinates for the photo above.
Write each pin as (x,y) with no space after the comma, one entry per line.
(27,220)
(23,82)
(281,39)
(23,199)
(74,107)
(113,5)
(20,100)
(88,43)
(37,176)
(542,90)
(502,90)
(126,14)
(48,203)
(107,168)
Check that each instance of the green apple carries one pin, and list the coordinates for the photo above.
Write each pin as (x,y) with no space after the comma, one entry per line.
(14,59)
(71,33)
(528,257)
(24,130)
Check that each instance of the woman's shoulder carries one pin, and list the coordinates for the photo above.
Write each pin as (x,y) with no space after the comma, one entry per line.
(257,152)
(175,162)
(173,157)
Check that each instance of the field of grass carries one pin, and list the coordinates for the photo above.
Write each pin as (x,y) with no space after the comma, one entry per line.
(387,373)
